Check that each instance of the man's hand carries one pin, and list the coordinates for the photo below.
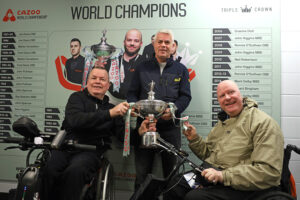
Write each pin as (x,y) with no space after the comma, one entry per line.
(212,175)
(133,113)
(190,133)
(167,115)
(147,126)
(119,110)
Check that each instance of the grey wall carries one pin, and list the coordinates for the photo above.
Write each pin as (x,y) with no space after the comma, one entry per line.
(290,90)
(290,77)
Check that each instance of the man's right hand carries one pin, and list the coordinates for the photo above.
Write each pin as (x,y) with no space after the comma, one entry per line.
(190,133)
(119,110)
(213,176)
(147,126)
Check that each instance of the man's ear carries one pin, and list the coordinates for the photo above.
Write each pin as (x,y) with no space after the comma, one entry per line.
(173,45)
(109,84)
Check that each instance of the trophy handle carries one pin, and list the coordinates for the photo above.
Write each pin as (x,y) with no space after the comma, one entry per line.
(138,115)
(159,115)
(173,108)
(134,112)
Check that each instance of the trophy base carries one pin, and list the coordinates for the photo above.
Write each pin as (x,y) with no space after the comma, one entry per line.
(149,140)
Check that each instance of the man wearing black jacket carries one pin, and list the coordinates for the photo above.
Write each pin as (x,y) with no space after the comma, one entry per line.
(89,119)
(171,85)
(148,52)
(75,65)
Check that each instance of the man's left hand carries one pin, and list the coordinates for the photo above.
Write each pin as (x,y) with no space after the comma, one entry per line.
(167,114)
(212,175)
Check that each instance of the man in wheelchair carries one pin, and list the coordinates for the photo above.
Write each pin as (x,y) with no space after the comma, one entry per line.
(89,119)
(245,148)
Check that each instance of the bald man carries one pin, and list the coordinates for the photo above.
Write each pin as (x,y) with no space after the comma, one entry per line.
(121,72)
(245,148)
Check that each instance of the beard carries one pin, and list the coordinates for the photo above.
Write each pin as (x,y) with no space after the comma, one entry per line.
(131,53)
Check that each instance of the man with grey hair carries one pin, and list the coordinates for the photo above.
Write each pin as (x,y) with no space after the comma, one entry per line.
(171,85)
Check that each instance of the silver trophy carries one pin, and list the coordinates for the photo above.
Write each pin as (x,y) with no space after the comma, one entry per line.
(101,51)
(153,109)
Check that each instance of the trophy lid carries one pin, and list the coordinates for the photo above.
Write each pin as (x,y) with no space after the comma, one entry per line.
(151,93)
(103,48)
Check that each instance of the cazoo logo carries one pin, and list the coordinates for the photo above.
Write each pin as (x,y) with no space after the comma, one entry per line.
(9,16)
(23,14)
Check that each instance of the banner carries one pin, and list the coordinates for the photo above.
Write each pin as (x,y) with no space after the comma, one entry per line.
(217,40)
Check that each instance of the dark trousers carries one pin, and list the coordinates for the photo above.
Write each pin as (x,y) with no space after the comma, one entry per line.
(217,193)
(144,157)
(180,190)
(66,173)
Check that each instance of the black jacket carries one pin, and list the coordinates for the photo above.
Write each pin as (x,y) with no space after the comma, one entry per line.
(171,86)
(74,69)
(148,52)
(129,68)
(87,119)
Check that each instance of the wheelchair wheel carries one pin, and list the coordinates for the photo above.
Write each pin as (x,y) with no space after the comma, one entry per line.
(105,182)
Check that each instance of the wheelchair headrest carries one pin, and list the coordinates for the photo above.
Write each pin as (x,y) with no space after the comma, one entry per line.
(26,127)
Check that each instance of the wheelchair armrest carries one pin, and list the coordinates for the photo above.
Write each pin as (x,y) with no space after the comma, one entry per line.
(293,148)
(73,144)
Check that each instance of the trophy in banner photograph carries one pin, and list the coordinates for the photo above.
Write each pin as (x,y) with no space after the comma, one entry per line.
(102,52)
(153,109)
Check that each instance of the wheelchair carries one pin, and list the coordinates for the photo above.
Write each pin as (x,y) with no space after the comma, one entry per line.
(101,187)
(153,187)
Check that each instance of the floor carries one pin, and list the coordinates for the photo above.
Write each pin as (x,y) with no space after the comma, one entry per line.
(120,195)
